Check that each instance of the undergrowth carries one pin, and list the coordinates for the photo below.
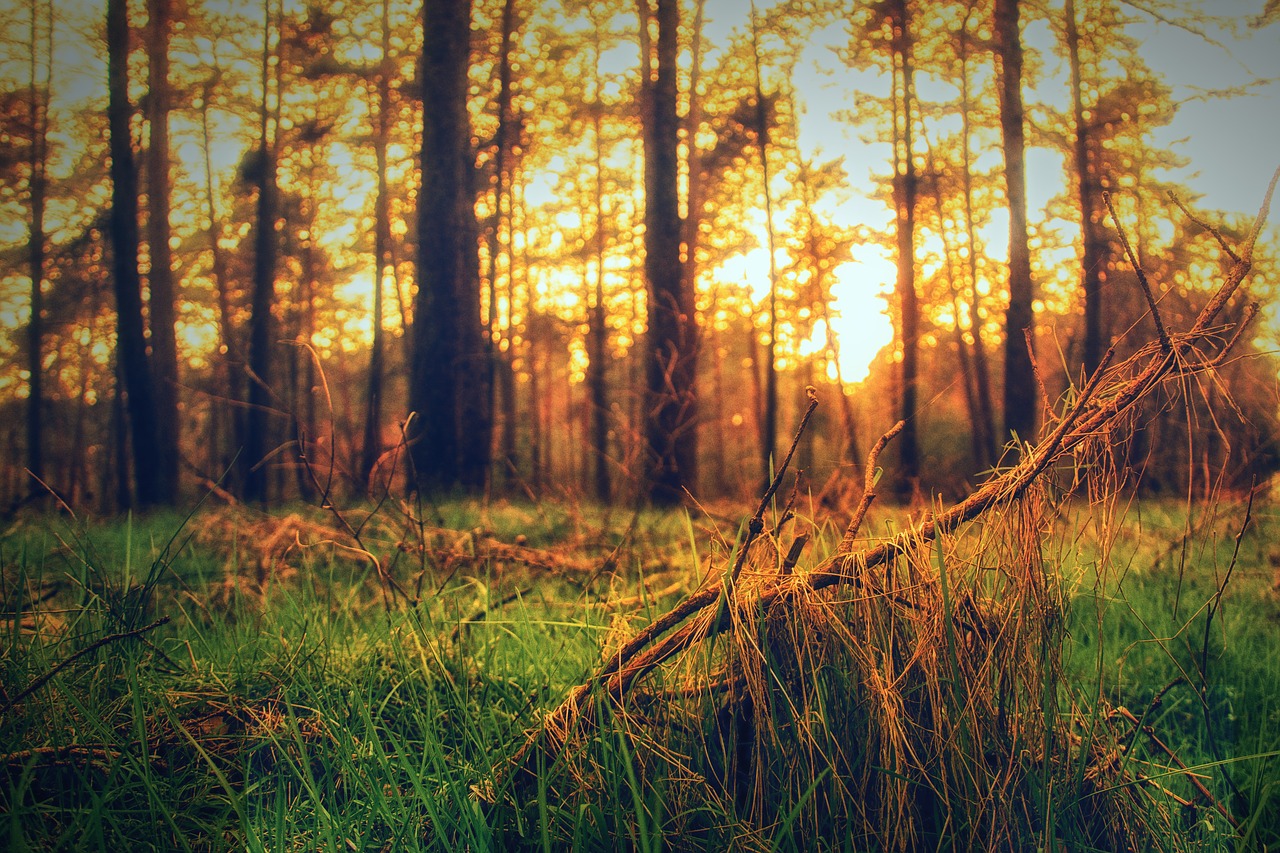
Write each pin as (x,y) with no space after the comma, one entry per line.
(284,706)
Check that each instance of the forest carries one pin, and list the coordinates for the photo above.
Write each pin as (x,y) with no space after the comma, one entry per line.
(653,264)
(706,424)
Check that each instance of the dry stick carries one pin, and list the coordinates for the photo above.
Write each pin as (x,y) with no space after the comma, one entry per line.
(92,647)
(1142,276)
(1147,730)
(756,524)
(638,657)
(1222,243)
(1029,337)
(869,492)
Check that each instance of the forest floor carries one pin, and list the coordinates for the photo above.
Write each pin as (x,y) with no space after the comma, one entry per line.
(298,680)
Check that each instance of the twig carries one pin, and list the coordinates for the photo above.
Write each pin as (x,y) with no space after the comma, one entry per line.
(755,526)
(40,681)
(1222,243)
(1029,337)
(1142,276)
(1173,756)
(869,492)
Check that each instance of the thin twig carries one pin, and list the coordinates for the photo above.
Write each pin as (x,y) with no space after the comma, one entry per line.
(755,526)
(1173,756)
(1029,337)
(1142,276)
(40,681)
(1222,243)
(869,491)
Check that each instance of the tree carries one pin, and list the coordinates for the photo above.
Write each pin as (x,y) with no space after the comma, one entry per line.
(164,345)
(671,371)
(382,256)
(263,169)
(984,425)
(760,128)
(502,163)
(1088,192)
(38,115)
(135,368)
(905,190)
(1020,391)
(449,377)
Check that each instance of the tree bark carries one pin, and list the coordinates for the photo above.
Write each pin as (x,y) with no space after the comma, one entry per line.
(769,417)
(38,105)
(130,338)
(449,377)
(372,446)
(1020,393)
(164,343)
(1091,234)
(597,332)
(981,371)
(905,191)
(671,437)
(254,476)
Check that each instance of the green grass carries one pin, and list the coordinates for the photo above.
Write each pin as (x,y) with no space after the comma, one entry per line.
(283,707)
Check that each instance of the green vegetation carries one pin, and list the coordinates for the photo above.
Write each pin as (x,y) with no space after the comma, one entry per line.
(284,706)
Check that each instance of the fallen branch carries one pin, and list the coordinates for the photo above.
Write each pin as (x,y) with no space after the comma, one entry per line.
(1108,394)
(41,680)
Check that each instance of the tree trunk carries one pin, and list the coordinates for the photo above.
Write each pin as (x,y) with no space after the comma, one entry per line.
(164,343)
(254,476)
(130,339)
(905,191)
(230,363)
(38,105)
(977,317)
(449,377)
(500,248)
(1020,394)
(671,437)
(769,417)
(1091,233)
(372,446)
(597,332)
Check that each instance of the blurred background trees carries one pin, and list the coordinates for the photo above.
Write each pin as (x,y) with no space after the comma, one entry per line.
(627,240)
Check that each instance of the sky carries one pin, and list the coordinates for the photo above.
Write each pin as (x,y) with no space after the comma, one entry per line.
(1231,143)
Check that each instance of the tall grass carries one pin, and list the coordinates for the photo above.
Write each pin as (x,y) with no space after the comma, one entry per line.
(963,694)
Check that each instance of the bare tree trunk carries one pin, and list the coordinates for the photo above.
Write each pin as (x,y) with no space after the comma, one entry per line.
(254,475)
(597,332)
(1091,233)
(1020,395)
(450,375)
(769,417)
(164,342)
(672,365)
(981,370)
(505,137)
(905,191)
(38,105)
(230,364)
(130,338)
(119,482)
(372,445)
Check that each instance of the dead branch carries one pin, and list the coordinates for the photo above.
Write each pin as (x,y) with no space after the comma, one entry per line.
(41,680)
(1108,394)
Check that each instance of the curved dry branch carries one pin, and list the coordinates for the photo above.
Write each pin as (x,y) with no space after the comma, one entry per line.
(1109,394)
